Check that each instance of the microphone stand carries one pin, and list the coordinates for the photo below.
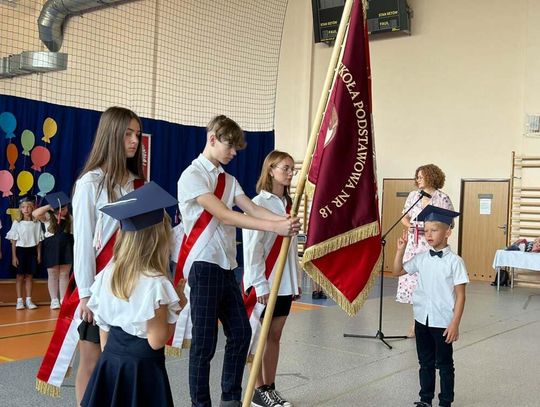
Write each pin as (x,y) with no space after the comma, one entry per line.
(380,335)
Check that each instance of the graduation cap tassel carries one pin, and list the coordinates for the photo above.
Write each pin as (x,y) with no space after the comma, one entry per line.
(59,213)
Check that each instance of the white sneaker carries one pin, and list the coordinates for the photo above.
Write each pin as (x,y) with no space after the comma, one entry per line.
(55,303)
(30,304)
(20,304)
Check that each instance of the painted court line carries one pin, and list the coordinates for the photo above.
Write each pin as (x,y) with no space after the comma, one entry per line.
(28,322)
(25,334)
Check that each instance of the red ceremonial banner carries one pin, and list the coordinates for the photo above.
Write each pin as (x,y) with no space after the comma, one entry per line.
(343,248)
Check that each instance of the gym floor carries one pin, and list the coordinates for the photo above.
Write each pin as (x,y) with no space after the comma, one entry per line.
(496,357)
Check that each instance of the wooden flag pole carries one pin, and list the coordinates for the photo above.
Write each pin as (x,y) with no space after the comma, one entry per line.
(330,75)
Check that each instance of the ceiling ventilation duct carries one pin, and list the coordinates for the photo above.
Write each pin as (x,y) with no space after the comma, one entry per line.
(54,14)
(43,61)
(4,68)
(29,62)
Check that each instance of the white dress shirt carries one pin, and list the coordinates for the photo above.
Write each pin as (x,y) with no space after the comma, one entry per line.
(26,233)
(132,315)
(257,246)
(434,298)
(198,179)
(86,204)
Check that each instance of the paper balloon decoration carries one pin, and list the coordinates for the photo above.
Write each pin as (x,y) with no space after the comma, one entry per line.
(8,123)
(40,157)
(27,141)
(12,155)
(14,213)
(25,181)
(6,182)
(45,183)
(49,129)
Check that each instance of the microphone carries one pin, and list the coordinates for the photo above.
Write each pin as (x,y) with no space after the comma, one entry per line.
(424,193)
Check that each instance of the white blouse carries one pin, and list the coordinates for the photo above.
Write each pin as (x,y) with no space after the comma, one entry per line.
(257,246)
(86,204)
(133,314)
(26,233)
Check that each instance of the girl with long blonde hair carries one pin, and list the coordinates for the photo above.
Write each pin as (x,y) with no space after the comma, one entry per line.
(135,305)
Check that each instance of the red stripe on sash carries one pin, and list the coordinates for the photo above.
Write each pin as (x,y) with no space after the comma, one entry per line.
(202,222)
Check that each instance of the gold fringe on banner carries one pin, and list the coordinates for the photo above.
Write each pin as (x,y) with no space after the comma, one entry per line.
(337,242)
(47,389)
(351,308)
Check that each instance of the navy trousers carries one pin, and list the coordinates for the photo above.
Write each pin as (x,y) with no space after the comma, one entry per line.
(434,353)
(214,295)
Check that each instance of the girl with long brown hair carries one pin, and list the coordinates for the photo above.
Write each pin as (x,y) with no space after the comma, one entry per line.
(113,167)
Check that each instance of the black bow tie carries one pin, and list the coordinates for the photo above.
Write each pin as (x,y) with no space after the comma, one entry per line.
(434,253)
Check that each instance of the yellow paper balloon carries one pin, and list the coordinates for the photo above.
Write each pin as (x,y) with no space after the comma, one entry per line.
(14,213)
(49,129)
(25,181)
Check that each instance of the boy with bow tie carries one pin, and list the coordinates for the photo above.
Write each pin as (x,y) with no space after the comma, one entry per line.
(438,302)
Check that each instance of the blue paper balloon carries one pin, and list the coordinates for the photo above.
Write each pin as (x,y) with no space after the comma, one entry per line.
(8,123)
(45,183)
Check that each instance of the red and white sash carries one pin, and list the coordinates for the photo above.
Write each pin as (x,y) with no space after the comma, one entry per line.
(64,341)
(193,244)
(59,355)
(253,308)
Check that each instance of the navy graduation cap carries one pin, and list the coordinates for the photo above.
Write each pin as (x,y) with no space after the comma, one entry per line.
(57,200)
(436,214)
(27,198)
(141,208)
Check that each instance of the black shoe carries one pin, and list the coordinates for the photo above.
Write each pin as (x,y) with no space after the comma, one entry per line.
(422,404)
(322,295)
(276,395)
(263,398)
(315,295)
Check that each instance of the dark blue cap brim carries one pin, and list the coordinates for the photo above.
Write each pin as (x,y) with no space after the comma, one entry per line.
(57,199)
(142,221)
(141,208)
(435,214)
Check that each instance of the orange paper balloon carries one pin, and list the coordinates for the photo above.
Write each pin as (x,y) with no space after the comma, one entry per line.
(12,155)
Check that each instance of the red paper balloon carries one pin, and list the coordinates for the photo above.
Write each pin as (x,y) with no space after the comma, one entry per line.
(6,182)
(12,155)
(40,157)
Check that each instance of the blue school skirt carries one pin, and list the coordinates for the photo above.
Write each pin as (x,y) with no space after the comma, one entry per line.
(128,373)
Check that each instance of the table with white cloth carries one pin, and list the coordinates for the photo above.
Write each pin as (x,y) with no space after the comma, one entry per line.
(515,259)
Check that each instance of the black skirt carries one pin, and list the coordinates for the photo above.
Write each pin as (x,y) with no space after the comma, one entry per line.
(128,373)
(57,249)
(27,257)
